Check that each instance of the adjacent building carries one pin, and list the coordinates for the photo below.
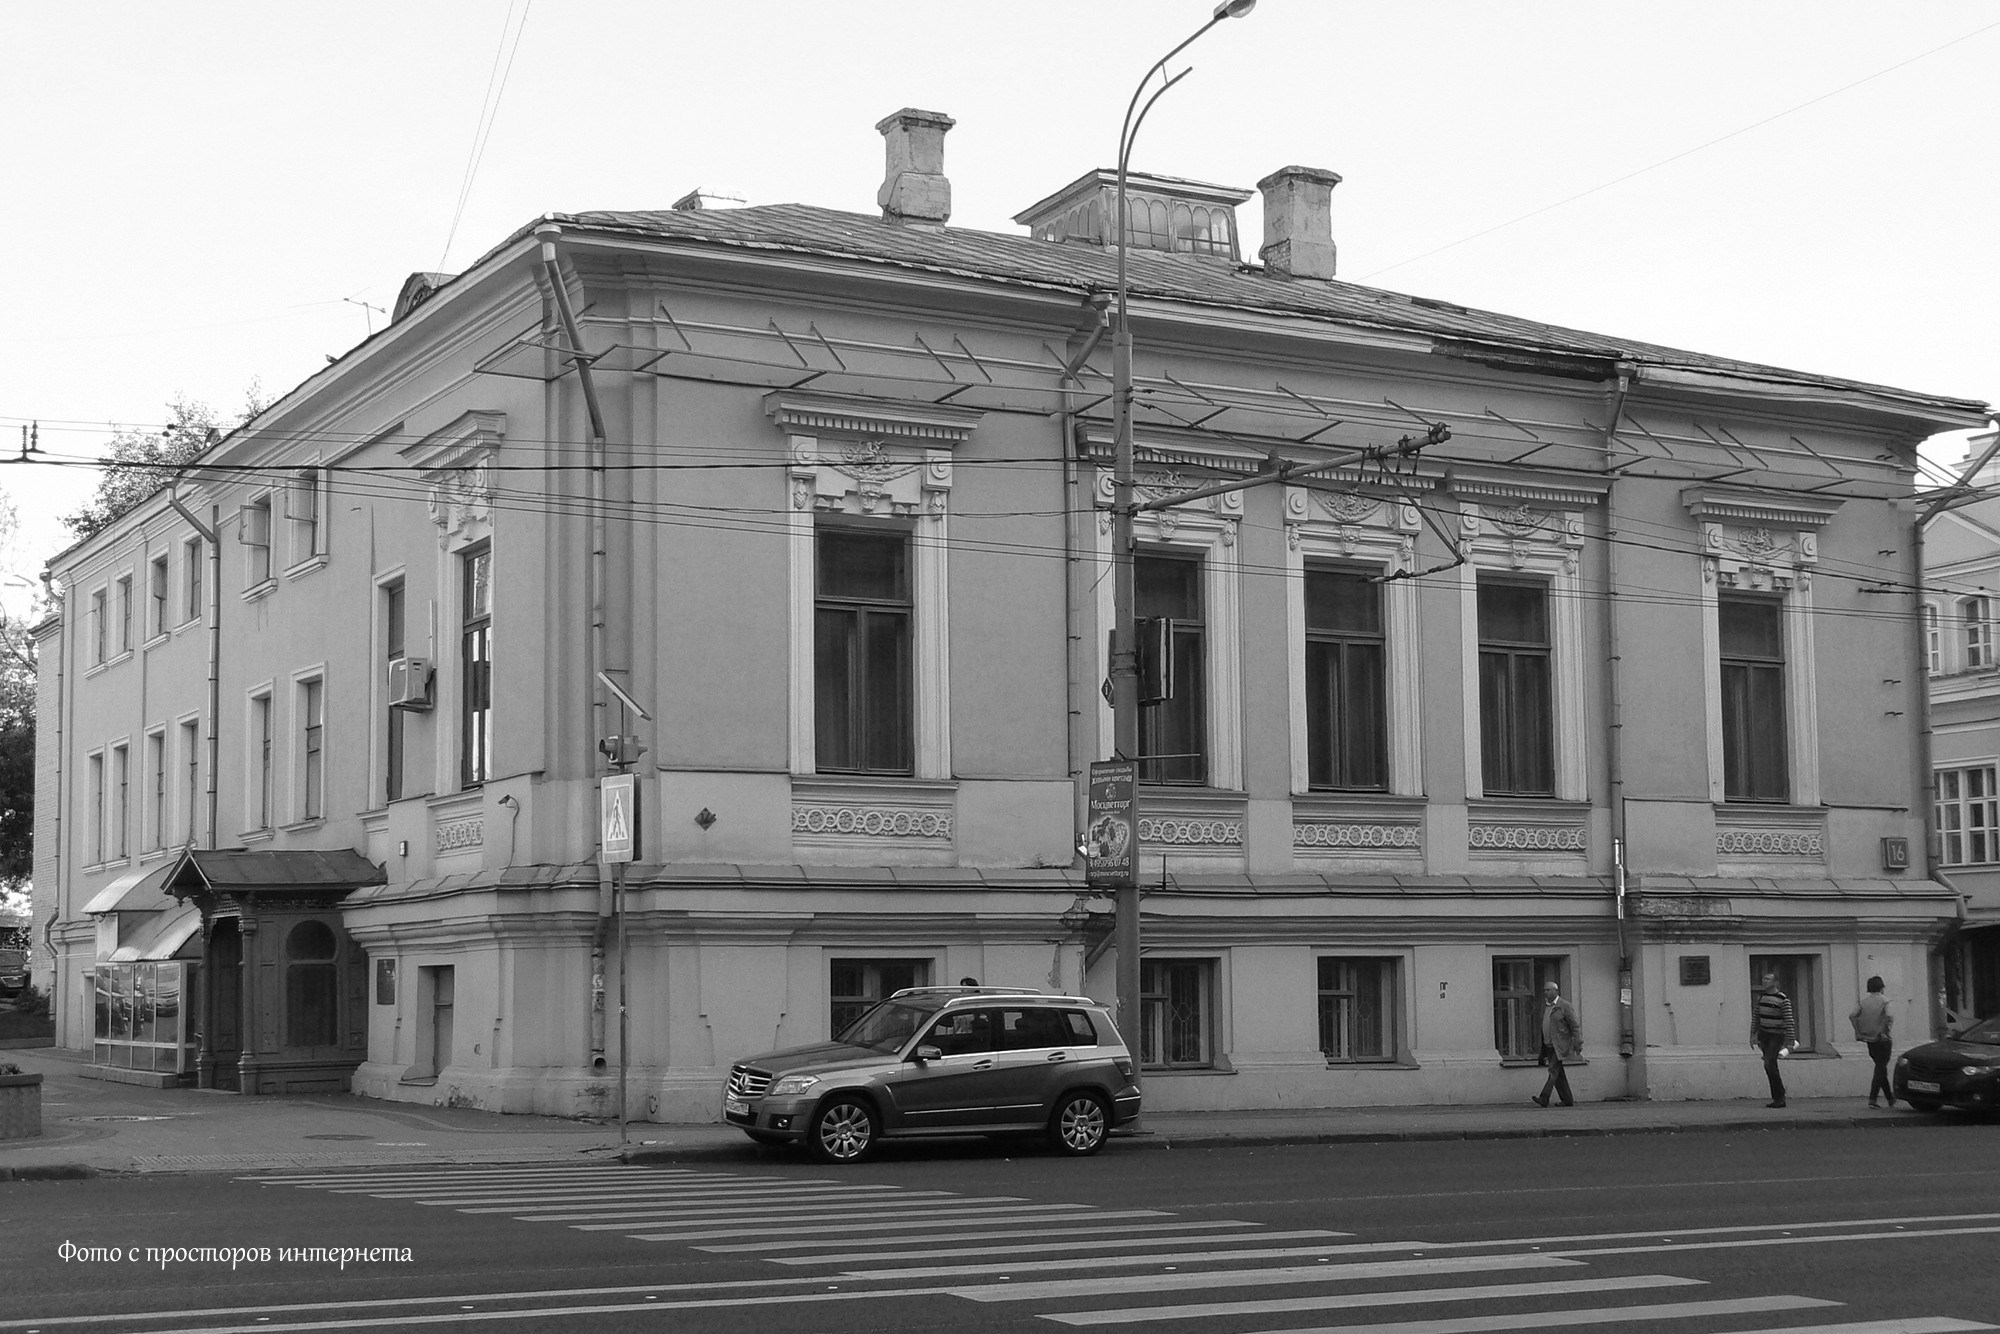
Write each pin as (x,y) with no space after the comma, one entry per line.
(1617,684)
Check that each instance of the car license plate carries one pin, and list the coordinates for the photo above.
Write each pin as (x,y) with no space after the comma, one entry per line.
(1923,1086)
(735,1107)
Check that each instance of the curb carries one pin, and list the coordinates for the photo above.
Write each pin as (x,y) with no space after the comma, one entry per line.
(49,1172)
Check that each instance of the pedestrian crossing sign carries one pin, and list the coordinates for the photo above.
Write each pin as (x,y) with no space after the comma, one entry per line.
(618,816)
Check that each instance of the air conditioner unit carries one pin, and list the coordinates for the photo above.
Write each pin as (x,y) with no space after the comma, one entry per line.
(410,684)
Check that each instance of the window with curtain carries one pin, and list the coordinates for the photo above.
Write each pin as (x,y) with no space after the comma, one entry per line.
(1173,734)
(475,664)
(1516,716)
(1754,764)
(863,704)
(1346,703)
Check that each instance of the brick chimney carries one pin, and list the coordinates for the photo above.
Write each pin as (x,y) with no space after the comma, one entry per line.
(1298,222)
(914,188)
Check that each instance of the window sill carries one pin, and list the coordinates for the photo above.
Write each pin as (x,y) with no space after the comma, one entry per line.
(298,826)
(194,622)
(418,1082)
(264,835)
(157,640)
(1373,1065)
(108,663)
(310,565)
(1203,1072)
(262,589)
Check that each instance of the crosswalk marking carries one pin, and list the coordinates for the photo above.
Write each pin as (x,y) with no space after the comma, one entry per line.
(1113,1285)
(890,1243)
(854,1241)
(1607,1315)
(1133,1315)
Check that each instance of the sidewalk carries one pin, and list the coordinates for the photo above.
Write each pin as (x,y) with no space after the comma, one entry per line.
(92,1126)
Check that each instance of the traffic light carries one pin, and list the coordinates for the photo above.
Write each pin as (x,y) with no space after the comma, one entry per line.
(621,751)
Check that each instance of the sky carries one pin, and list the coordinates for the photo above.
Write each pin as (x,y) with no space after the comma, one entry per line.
(203,197)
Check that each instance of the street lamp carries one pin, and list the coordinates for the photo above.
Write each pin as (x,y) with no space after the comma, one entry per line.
(1124,656)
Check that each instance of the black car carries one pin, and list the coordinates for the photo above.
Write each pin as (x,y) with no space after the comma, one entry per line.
(1960,1072)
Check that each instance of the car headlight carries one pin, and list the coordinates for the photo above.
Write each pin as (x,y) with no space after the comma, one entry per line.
(1902,1063)
(1973,1069)
(793,1084)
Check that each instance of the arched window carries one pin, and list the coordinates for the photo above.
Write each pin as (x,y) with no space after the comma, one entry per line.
(312,990)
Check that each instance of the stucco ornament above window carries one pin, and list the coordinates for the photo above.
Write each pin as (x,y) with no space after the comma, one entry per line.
(869,456)
(1758,542)
(454,462)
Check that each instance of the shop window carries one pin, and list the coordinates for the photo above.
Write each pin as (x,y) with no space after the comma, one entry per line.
(1798,978)
(1517,1003)
(312,986)
(1177,1013)
(856,985)
(1357,1009)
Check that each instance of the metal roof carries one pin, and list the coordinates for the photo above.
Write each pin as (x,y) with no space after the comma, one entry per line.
(1194,279)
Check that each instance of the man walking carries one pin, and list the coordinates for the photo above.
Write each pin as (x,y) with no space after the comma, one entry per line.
(1774,1031)
(1562,1039)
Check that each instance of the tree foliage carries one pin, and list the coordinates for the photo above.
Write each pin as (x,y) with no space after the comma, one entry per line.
(139,463)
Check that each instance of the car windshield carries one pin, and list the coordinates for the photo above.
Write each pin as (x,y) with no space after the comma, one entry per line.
(888,1026)
(1986,1031)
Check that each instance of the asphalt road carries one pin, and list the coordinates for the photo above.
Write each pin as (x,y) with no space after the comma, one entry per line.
(1694,1234)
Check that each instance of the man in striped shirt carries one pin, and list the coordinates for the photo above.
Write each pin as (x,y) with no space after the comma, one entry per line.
(1774,1030)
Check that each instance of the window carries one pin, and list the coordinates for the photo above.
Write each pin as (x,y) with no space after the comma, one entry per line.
(1516,725)
(195,557)
(100,627)
(475,746)
(1357,1009)
(1933,641)
(857,984)
(1968,816)
(862,707)
(191,758)
(253,530)
(125,613)
(313,746)
(156,596)
(1977,615)
(260,738)
(1173,734)
(1346,703)
(156,790)
(121,804)
(1517,1004)
(312,991)
(1753,698)
(392,727)
(1176,1013)
(1797,978)
(96,808)
(302,508)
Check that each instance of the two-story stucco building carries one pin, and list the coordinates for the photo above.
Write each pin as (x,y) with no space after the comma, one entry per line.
(1603,688)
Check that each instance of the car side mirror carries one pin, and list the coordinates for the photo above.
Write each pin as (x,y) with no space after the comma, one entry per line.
(926,1052)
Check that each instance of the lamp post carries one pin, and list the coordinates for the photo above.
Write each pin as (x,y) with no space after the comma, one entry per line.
(1124,646)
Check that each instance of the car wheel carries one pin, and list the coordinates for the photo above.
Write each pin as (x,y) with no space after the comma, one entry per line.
(1921,1104)
(766,1138)
(1079,1125)
(844,1130)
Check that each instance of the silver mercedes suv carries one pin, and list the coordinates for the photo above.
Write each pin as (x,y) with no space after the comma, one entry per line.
(933,1061)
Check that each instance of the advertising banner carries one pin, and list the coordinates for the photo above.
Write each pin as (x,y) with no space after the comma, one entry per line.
(1111,828)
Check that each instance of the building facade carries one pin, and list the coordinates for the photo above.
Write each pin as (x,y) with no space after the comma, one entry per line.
(1959,616)
(1604,687)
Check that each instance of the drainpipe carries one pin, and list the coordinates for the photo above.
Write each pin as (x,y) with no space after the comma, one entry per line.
(1614,712)
(61,793)
(1097,303)
(211,533)
(548,234)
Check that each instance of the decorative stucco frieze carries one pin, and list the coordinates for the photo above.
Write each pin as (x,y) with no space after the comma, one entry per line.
(1525,838)
(1521,535)
(1346,834)
(1173,832)
(460,835)
(1769,843)
(1165,524)
(871,821)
